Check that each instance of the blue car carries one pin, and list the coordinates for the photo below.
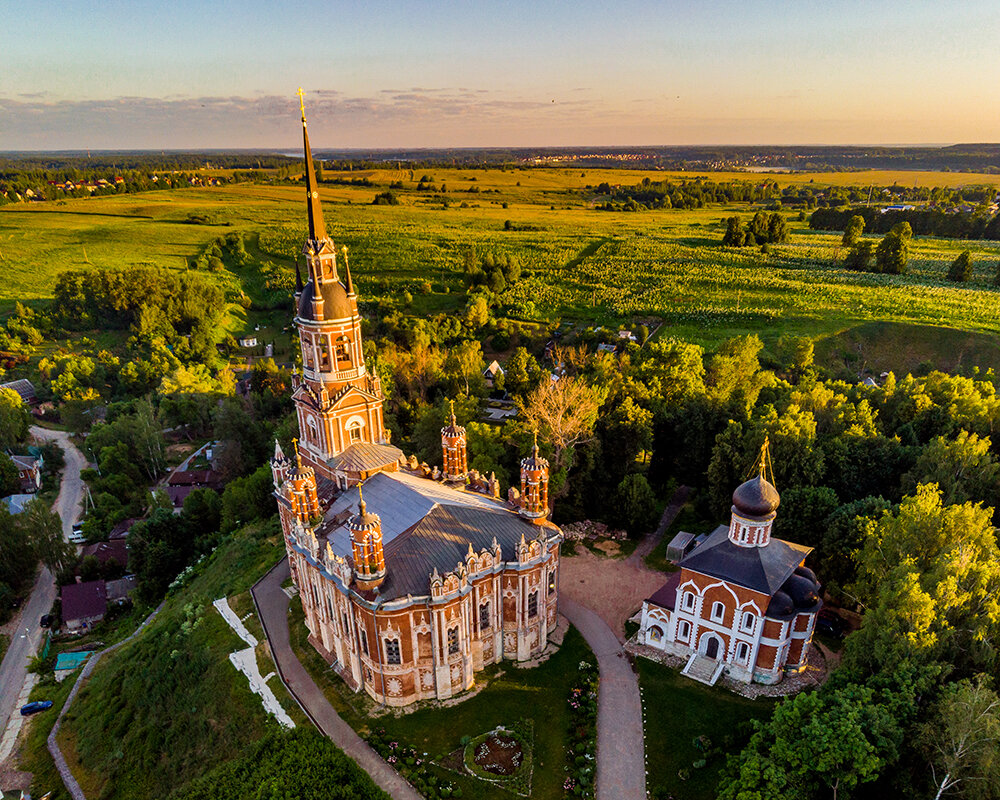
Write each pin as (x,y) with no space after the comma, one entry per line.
(35,707)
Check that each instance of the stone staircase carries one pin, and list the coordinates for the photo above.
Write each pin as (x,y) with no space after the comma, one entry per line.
(704,670)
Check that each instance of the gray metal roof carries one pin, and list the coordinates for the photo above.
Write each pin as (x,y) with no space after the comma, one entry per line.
(763,569)
(425,525)
(365,457)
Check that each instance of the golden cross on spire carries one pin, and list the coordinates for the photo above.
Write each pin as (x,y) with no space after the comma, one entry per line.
(361,501)
(763,465)
(535,447)
(298,458)
(302,103)
(452,403)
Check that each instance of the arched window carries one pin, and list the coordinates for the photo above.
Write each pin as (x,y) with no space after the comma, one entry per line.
(684,630)
(718,612)
(313,435)
(363,635)
(484,616)
(392,655)
(533,604)
(747,622)
(742,651)
(688,601)
(552,581)
(655,633)
(354,428)
(452,641)
(343,356)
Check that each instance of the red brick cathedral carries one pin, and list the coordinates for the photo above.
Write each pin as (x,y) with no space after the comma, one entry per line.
(411,579)
(742,602)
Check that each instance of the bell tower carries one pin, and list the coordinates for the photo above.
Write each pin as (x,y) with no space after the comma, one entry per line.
(366,546)
(338,402)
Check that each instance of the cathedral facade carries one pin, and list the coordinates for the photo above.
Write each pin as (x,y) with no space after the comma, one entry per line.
(411,579)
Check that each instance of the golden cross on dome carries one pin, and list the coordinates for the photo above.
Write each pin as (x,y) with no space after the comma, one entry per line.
(302,103)
(763,465)
(298,458)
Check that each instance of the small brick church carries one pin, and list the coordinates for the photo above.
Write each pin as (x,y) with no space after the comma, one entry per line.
(411,579)
(741,602)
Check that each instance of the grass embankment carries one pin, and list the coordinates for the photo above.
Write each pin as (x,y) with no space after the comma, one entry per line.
(34,756)
(539,694)
(169,706)
(677,711)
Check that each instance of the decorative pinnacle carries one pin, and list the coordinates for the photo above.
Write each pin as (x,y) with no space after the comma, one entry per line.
(361,501)
(763,465)
(298,458)
(452,403)
(347,270)
(302,104)
(534,448)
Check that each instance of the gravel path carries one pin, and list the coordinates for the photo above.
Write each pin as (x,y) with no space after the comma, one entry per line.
(272,609)
(621,763)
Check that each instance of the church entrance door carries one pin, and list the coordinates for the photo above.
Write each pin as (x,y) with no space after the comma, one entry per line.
(712,650)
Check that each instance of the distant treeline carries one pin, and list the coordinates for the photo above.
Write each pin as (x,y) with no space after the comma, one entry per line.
(923,221)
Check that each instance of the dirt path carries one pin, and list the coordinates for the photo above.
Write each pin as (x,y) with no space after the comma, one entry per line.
(615,588)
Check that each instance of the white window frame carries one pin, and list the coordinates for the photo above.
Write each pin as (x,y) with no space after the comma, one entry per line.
(387,642)
(684,630)
(721,616)
(688,601)
(748,628)
(742,659)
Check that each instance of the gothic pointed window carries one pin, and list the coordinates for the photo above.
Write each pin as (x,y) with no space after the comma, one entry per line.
(552,582)
(392,654)
(484,616)
(452,641)
(533,604)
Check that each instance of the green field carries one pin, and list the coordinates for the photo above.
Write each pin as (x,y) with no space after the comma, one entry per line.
(579,264)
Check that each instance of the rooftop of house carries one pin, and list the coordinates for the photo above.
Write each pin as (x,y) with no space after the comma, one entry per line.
(84,600)
(762,569)
(24,388)
(105,551)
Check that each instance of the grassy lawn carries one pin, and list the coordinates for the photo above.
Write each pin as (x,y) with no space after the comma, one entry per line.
(173,690)
(677,711)
(539,694)
(35,756)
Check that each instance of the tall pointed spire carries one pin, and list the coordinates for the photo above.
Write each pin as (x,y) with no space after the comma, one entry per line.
(317,230)
(347,270)
(298,278)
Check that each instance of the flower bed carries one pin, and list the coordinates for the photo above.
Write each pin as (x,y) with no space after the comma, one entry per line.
(581,758)
(412,765)
(503,757)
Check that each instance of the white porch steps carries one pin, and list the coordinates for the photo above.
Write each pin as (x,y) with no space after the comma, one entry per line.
(702,669)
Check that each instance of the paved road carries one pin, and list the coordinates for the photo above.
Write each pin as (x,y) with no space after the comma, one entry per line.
(621,763)
(25,642)
(272,605)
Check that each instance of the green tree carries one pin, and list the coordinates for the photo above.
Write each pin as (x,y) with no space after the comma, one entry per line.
(522,373)
(14,419)
(734,236)
(960,270)
(10,481)
(45,532)
(797,353)
(804,515)
(893,253)
(963,469)
(464,366)
(962,741)
(818,744)
(846,531)
(477,312)
(859,258)
(852,233)
(634,505)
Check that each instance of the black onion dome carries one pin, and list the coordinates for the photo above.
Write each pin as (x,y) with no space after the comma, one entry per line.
(805,572)
(756,498)
(336,304)
(804,592)
(781,605)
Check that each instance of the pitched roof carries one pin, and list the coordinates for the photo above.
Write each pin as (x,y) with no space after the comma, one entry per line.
(666,595)
(117,589)
(193,477)
(82,600)
(425,525)
(365,457)
(25,462)
(105,551)
(16,502)
(763,569)
(23,387)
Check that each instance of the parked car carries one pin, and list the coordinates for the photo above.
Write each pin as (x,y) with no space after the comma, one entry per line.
(830,622)
(46,621)
(35,707)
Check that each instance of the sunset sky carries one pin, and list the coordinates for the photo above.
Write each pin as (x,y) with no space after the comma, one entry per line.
(130,75)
